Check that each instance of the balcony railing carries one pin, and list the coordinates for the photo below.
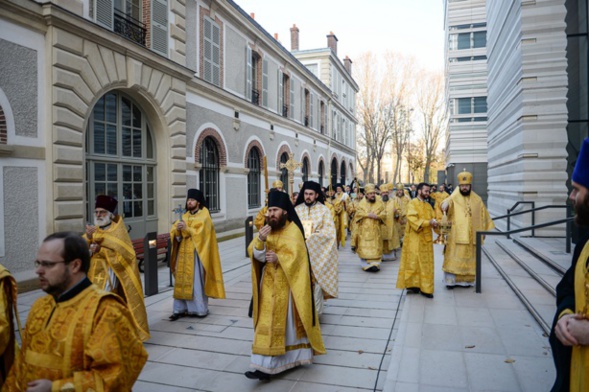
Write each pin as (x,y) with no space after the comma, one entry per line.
(306,121)
(322,129)
(284,111)
(129,27)
(255,96)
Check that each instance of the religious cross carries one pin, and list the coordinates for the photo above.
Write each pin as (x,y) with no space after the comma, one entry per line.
(291,165)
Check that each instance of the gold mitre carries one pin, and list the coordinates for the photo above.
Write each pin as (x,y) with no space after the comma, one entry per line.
(369,188)
(277,184)
(464,178)
(400,186)
(386,187)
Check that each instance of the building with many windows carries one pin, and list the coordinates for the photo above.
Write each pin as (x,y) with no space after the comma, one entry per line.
(466,91)
(536,98)
(142,99)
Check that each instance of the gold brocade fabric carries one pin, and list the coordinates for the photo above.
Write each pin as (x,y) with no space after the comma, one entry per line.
(87,343)
(116,252)
(260,219)
(198,236)
(322,246)
(369,230)
(390,230)
(8,345)
(273,283)
(468,215)
(403,202)
(351,209)
(341,218)
(417,259)
(580,354)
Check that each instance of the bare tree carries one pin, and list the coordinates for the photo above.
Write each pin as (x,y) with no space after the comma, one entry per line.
(432,115)
(383,111)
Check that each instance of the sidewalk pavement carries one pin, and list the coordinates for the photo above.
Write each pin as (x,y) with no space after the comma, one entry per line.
(377,337)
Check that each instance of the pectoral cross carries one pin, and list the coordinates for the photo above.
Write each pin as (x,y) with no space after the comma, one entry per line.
(291,165)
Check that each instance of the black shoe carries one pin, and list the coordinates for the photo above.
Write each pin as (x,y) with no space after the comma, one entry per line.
(413,290)
(176,316)
(450,287)
(372,269)
(197,315)
(426,295)
(257,375)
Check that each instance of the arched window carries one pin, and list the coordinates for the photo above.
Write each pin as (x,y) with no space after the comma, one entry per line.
(253,179)
(305,169)
(284,172)
(209,173)
(120,161)
(321,172)
(343,173)
(333,172)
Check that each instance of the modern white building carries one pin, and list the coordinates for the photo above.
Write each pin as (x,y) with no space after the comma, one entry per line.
(142,99)
(537,100)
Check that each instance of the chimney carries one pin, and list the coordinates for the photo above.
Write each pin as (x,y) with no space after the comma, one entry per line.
(294,38)
(252,15)
(348,65)
(332,42)
(276,36)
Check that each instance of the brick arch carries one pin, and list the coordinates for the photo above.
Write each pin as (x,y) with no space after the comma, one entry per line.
(253,144)
(337,165)
(218,141)
(3,127)
(352,172)
(283,149)
(310,166)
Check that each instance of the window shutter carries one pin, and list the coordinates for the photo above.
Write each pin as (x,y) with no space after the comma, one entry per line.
(159,26)
(265,83)
(311,110)
(249,69)
(280,92)
(105,13)
(216,54)
(303,105)
(208,50)
(292,99)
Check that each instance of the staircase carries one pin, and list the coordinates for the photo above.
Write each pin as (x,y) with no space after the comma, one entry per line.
(532,267)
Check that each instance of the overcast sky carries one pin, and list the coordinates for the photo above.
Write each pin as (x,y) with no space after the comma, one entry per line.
(411,27)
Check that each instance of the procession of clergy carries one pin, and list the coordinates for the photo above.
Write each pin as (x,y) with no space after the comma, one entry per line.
(87,333)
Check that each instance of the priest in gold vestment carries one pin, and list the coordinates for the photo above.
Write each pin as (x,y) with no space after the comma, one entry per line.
(416,271)
(402,201)
(260,219)
(351,209)
(369,219)
(286,325)
(468,214)
(195,260)
(569,338)
(78,337)
(390,230)
(113,266)
(321,242)
(8,312)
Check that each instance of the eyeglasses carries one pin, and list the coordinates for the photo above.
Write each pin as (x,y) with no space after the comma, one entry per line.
(47,264)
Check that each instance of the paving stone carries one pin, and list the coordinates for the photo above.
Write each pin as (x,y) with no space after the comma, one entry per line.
(490,373)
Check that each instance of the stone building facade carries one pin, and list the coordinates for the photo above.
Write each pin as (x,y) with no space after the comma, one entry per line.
(142,99)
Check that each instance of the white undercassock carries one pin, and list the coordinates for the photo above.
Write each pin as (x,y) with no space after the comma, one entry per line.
(321,239)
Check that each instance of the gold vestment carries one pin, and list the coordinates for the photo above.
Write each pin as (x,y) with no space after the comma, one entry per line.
(417,259)
(198,236)
(580,354)
(468,215)
(273,283)
(86,343)
(261,217)
(8,345)
(341,220)
(369,230)
(117,253)
(390,230)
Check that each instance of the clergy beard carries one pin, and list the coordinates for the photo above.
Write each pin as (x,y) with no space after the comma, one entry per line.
(101,222)
(311,204)
(277,223)
(371,200)
(465,193)
(582,212)
(59,288)
(385,197)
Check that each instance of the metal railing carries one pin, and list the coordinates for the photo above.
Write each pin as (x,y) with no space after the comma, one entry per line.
(129,27)
(284,111)
(480,234)
(255,96)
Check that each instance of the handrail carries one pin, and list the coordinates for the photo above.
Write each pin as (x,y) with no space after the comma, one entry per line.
(480,234)
(533,211)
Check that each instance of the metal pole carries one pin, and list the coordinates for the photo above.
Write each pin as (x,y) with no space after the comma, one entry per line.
(150,262)
(478,266)
(249,233)
(533,218)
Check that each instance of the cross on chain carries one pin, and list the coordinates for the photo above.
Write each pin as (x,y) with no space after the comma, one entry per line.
(291,165)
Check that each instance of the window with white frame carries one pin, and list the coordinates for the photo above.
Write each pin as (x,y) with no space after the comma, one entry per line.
(212,52)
